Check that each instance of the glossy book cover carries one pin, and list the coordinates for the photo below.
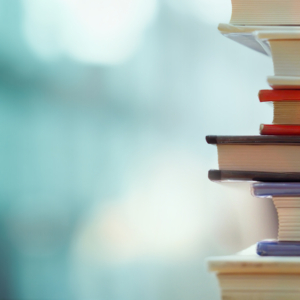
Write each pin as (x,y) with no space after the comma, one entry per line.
(273,189)
(276,248)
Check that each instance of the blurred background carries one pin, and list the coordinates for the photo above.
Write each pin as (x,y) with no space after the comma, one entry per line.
(104,108)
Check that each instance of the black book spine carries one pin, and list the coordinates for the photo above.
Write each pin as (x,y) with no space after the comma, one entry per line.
(228,175)
(254,139)
(212,139)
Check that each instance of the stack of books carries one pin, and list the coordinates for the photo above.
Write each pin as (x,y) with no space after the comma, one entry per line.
(270,161)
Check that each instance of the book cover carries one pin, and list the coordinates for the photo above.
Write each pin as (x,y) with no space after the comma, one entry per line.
(232,175)
(246,36)
(278,189)
(252,140)
(274,129)
(277,248)
(278,95)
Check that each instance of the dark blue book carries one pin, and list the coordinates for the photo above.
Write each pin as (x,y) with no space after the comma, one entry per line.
(276,248)
(276,189)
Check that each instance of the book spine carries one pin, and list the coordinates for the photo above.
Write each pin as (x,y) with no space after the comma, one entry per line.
(279,129)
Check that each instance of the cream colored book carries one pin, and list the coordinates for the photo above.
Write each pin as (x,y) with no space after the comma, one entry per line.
(282,43)
(247,261)
(246,276)
(286,199)
(285,49)
(245,35)
(265,12)
(286,112)
(259,153)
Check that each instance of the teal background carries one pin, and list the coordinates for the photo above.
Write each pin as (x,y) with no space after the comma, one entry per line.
(103,164)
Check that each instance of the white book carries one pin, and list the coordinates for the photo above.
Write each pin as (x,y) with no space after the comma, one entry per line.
(265,12)
(282,43)
(249,276)
(245,35)
(285,49)
(288,210)
(286,199)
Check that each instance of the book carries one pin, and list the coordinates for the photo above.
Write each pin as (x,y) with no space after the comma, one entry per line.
(286,198)
(230,175)
(285,47)
(247,262)
(246,276)
(284,82)
(286,117)
(274,129)
(288,210)
(273,156)
(265,12)
(264,153)
(278,189)
(246,35)
(286,104)
(277,248)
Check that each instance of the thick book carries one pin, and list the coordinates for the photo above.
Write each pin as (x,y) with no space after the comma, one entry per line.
(247,262)
(277,248)
(275,129)
(230,175)
(265,12)
(246,276)
(264,153)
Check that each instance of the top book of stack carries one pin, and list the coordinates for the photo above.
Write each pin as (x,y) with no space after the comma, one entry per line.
(265,12)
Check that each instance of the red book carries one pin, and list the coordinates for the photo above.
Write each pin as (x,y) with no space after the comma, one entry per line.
(278,95)
(274,129)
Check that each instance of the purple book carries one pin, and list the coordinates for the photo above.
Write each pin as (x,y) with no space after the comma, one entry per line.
(276,248)
(272,189)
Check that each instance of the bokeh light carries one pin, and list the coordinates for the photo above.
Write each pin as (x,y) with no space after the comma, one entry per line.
(93,31)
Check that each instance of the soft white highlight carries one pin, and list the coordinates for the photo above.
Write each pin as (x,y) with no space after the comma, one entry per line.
(93,31)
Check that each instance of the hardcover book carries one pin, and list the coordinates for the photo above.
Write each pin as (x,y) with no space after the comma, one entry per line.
(278,189)
(265,153)
(285,46)
(246,276)
(286,198)
(286,118)
(246,35)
